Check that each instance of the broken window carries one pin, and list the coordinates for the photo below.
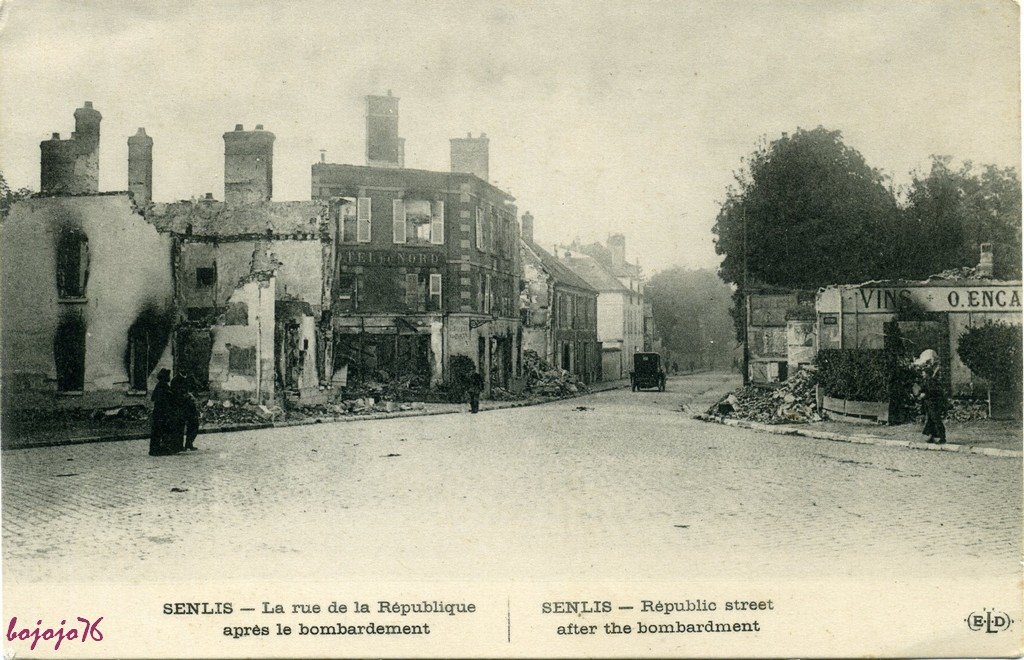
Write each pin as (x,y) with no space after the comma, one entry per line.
(346,297)
(423,292)
(417,222)
(206,277)
(236,313)
(435,292)
(72,263)
(242,360)
(347,230)
(69,354)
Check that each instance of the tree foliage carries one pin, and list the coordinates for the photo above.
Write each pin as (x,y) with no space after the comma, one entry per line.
(807,211)
(950,212)
(691,312)
(993,351)
(8,196)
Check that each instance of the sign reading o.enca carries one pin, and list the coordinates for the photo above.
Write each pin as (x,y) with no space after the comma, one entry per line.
(421,258)
(981,298)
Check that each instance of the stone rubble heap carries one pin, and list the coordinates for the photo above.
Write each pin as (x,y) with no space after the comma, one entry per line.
(544,380)
(793,402)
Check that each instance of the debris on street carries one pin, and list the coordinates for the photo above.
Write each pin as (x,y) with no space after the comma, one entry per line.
(544,380)
(792,402)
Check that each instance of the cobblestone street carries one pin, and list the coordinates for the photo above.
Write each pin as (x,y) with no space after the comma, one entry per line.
(614,485)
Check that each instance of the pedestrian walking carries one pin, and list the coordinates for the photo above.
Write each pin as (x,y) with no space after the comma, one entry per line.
(161,412)
(932,394)
(476,386)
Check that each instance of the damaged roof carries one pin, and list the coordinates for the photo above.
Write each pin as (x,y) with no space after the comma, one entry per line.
(213,218)
(594,273)
(557,269)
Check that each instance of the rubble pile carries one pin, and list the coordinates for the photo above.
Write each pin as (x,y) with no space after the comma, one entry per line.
(793,402)
(967,410)
(228,412)
(544,380)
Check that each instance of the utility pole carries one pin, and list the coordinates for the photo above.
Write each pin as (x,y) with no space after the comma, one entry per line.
(746,305)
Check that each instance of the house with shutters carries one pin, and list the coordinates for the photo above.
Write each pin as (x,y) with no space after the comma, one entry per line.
(426,263)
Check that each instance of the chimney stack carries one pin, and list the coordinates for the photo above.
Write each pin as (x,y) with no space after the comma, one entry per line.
(140,167)
(383,146)
(471,155)
(73,166)
(527,229)
(986,265)
(248,165)
(617,246)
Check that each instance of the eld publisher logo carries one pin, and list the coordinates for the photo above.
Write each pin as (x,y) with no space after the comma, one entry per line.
(989,621)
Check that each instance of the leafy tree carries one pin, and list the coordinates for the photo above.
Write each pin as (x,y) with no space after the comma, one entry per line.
(691,311)
(807,211)
(8,196)
(952,211)
(993,351)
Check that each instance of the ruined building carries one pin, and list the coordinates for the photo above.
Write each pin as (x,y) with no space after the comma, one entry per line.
(559,311)
(427,265)
(249,281)
(101,290)
(87,299)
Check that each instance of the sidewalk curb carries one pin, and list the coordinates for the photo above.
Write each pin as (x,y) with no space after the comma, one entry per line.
(859,438)
(256,426)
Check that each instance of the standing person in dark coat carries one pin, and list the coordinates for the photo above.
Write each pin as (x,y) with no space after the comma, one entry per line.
(476,386)
(161,412)
(933,397)
(179,403)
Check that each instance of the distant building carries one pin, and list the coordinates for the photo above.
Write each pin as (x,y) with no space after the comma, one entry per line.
(427,265)
(619,284)
(559,311)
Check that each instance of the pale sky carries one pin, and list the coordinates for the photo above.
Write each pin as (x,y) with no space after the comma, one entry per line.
(603,116)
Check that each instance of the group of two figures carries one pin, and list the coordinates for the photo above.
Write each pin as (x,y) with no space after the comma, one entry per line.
(175,416)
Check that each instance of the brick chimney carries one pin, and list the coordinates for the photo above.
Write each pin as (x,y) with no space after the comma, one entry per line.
(986,264)
(248,165)
(527,229)
(383,146)
(140,167)
(617,246)
(471,155)
(73,166)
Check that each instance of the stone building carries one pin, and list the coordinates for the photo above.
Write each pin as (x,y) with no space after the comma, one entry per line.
(620,301)
(87,286)
(559,310)
(426,267)
(250,281)
(930,314)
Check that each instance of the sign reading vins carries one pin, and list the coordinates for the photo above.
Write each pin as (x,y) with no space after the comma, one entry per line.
(994,298)
(391,258)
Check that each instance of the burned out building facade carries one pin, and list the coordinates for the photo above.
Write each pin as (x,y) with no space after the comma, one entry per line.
(87,306)
(426,267)
(249,281)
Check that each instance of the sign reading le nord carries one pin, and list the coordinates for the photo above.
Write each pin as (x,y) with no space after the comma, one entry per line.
(391,258)
(940,298)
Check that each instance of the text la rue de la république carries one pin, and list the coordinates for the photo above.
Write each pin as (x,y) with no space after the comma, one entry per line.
(575,617)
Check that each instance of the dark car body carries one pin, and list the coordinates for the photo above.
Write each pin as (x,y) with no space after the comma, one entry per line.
(647,372)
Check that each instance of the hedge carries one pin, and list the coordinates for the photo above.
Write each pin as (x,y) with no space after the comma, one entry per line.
(859,374)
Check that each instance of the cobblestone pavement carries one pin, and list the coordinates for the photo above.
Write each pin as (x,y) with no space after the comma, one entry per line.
(628,488)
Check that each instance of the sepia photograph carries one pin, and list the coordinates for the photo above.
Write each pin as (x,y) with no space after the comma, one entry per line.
(479,328)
